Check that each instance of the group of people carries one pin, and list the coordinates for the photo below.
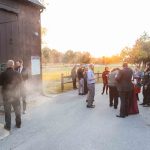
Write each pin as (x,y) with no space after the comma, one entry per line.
(13,81)
(80,73)
(125,83)
(122,83)
(86,81)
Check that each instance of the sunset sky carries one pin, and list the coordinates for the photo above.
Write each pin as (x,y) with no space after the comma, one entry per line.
(102,27)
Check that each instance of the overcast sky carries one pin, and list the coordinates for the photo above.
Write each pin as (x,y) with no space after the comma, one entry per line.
(102,27)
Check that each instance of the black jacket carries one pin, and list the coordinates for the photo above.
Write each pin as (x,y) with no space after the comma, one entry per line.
(80,73)
(10,80)
(124,80)
(146,78)
(24,73)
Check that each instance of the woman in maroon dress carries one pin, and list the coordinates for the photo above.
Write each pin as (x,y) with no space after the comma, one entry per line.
(133,105)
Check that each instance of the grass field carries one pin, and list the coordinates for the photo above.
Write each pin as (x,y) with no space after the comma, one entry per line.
(52,76)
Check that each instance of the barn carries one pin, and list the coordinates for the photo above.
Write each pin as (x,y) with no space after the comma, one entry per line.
(20,34)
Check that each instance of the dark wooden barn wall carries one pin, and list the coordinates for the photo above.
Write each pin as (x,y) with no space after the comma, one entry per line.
(20,35)
(8,35)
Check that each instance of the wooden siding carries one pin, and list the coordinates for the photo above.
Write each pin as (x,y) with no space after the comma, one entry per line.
(20,34)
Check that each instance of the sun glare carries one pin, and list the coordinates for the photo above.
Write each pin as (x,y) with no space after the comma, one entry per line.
(101,27)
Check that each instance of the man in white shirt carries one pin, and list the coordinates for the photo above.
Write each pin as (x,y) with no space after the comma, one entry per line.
(91,87)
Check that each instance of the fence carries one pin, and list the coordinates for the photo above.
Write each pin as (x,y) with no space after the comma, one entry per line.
(63,78)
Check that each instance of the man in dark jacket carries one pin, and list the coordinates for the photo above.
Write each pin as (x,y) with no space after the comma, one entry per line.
(10,81)
(24,73)
(74,76)
(146,87)
(125,88)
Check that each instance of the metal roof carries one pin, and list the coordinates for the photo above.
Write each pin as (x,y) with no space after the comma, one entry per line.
(36,2)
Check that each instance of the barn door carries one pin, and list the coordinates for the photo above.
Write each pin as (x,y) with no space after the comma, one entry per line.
(8,35)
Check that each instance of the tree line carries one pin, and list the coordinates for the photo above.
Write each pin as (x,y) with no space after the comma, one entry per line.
(139,54)
(70,57)
(73,57)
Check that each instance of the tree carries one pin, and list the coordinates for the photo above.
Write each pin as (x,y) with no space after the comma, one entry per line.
(55,56)
(77,57)
(45,55)
(68,57)
(86,57)
(141,49)
(139,53)
(126,54)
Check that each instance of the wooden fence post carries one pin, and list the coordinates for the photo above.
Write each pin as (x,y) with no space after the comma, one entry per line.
(62,82)
(98,76)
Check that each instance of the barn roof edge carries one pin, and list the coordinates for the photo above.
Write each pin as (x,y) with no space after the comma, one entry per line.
(36,2)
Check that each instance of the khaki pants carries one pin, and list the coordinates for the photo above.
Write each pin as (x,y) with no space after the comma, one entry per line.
(81,86)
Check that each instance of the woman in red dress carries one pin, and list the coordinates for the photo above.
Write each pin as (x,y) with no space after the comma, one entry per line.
(133,105)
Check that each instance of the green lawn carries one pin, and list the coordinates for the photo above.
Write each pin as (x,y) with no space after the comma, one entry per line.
(52,76)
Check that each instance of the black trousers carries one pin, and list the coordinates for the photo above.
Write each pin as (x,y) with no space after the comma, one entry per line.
(7,109)
(125,97)
(85,87)
(105,86)
(146,95)
(113,96)
(74,83)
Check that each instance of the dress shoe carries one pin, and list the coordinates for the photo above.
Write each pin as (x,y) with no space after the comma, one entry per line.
(115,107)
(120,116)
(110,105)
(18,126)
(92,106)
(7,128)
(142,104)
(146,105)
(102,93)
(83,94)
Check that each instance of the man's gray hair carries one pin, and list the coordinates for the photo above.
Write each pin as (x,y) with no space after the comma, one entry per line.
(91,66)
(10,64)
